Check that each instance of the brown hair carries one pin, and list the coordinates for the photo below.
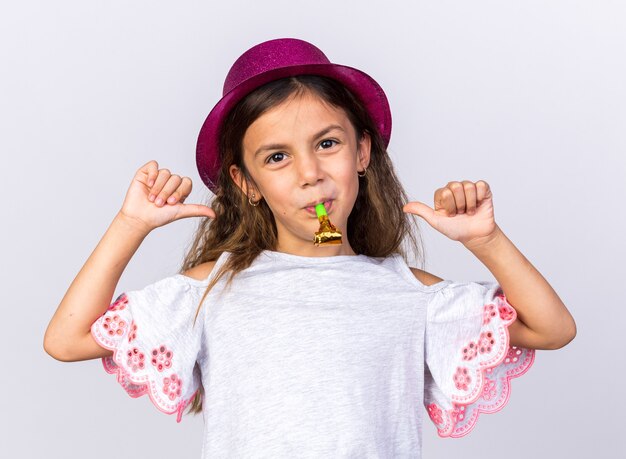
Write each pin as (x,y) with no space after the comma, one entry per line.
(377,225)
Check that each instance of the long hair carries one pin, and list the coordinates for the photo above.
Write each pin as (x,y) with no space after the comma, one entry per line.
(377,225)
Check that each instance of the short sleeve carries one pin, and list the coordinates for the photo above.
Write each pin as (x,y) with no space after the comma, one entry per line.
(469,363)
(155,342)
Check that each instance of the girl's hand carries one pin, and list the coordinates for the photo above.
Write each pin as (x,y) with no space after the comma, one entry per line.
(463,212)
(155,197)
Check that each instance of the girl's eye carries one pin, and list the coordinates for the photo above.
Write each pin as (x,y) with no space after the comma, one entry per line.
(327,143)
(273,156)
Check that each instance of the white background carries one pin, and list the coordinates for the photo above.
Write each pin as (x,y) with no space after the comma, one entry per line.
(527,95)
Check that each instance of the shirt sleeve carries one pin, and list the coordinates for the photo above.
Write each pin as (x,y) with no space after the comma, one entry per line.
(469,363)
(155,342)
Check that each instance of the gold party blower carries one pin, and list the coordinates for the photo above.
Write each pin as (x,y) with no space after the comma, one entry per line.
(327,234)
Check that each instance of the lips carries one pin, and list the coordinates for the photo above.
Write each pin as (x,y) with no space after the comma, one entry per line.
(327,205)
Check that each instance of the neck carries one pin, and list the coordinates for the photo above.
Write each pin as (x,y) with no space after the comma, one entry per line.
(315,251)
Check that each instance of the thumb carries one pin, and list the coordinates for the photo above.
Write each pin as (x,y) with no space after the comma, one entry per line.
(194,210)
(420,209)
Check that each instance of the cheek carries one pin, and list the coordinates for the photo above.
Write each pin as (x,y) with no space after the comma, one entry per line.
(278,197)
(350,181)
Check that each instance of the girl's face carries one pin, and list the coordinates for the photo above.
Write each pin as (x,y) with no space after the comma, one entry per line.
(300,153)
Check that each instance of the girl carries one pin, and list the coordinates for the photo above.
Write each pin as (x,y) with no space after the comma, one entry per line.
(290,349)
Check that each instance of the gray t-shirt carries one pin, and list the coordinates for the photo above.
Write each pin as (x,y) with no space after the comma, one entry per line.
(316,357)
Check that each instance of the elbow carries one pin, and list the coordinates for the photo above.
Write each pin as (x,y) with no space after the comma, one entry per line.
(562,332)
(55,351)
(52,351)
(563,339)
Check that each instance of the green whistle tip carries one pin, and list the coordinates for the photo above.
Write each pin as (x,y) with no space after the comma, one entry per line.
(320,209)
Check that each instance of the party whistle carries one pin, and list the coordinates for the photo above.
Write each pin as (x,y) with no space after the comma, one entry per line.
(327,234)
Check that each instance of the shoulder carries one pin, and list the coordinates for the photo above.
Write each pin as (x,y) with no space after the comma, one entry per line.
(424,277)
(200,272)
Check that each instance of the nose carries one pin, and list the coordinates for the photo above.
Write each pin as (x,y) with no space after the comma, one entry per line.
(310,170)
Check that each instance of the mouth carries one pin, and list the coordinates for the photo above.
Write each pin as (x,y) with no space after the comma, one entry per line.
(327,205)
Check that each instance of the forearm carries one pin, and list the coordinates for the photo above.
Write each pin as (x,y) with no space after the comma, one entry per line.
(537,304)
(91,291)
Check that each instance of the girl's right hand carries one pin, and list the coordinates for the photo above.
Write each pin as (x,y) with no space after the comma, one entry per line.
(155,198)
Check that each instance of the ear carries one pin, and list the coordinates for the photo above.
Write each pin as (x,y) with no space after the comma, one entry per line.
(237,175)
(363,152)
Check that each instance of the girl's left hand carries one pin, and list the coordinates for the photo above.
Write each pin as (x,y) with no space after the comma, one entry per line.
(463,212)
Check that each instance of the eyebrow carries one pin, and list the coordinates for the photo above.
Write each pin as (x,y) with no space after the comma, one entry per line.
(278,146)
